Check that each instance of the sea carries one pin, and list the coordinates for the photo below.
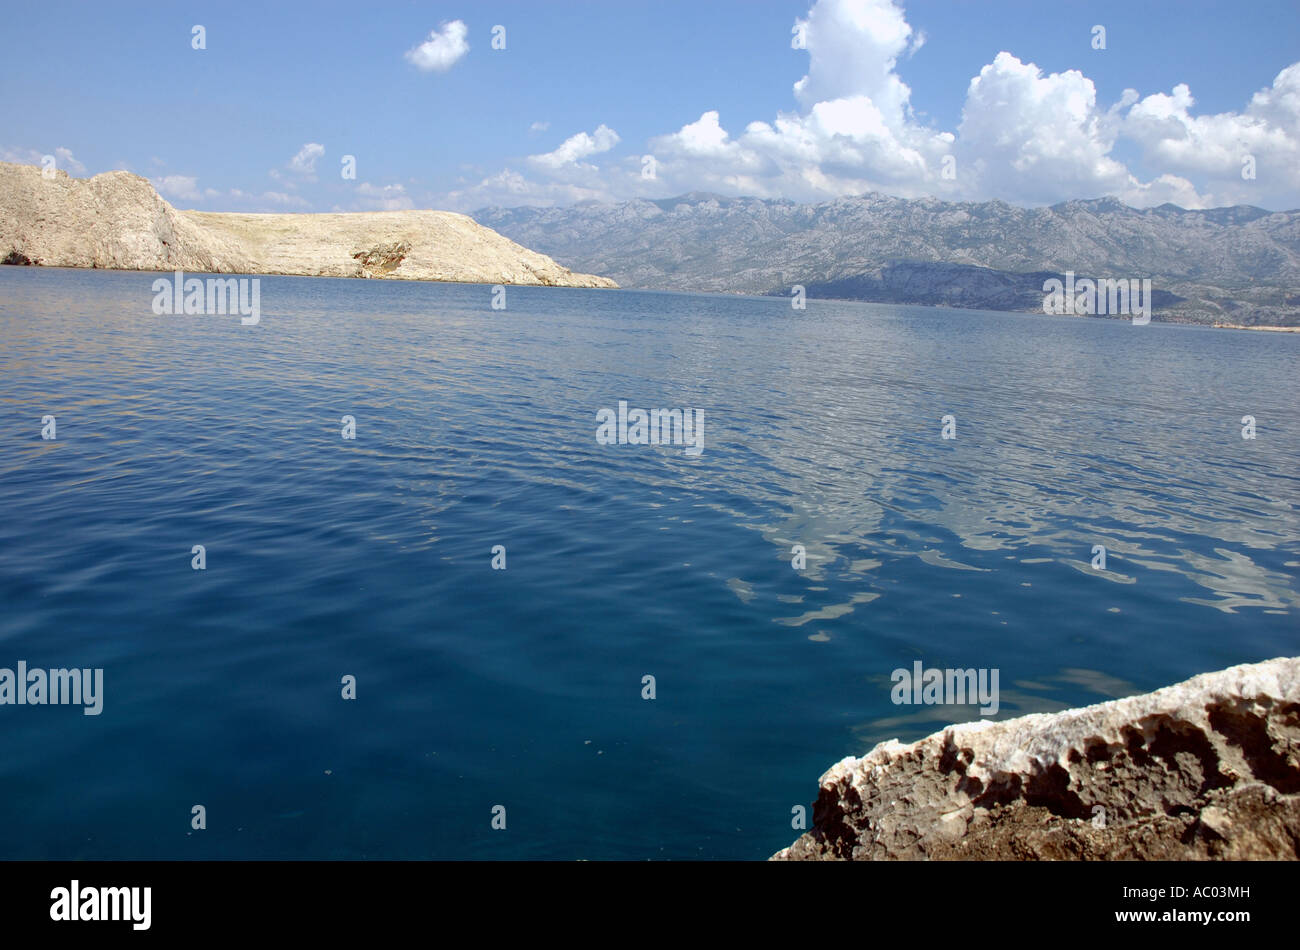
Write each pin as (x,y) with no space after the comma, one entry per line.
(477,630)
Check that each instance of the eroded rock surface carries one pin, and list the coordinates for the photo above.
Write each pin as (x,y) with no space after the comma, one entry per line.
(117,220)
(1205,769)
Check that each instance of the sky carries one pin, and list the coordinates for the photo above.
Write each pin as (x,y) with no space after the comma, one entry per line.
(1031,102)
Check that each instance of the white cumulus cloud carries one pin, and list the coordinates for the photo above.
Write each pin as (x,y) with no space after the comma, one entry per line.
(1025,136)
(854,133)
(442,50)
(1216,146)
(577,147)
(1037,137)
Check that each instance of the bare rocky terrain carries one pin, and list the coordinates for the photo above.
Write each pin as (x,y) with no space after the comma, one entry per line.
(1206,769)
(1238,265)
(117,220)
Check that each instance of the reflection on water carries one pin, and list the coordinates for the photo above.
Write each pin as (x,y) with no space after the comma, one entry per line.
(476,428)
(855,463)
(1023,698)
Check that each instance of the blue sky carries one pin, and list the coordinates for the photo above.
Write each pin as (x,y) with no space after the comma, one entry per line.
(1170,110)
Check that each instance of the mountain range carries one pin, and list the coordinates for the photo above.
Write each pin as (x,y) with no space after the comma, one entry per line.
(1234,266)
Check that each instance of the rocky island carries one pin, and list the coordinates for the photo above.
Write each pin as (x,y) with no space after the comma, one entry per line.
(1206,769)
(117,220)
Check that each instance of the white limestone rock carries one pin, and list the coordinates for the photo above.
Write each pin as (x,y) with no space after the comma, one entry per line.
(1208,768)
(117,220)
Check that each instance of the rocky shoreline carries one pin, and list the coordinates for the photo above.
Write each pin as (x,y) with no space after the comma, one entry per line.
(118,221)
(1205,769)
(1239,326)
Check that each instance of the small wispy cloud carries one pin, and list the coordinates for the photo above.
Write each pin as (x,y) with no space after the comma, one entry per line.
(280,198)
(67,161)
(63,157)
(384,198)
(268,199)
(181,187)
(305,161)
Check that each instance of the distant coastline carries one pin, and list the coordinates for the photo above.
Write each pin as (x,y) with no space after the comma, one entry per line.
(698,243)
(1238,265)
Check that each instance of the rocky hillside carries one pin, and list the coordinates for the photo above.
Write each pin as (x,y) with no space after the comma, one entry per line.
(1209,768)
(116,220)
(1229,265)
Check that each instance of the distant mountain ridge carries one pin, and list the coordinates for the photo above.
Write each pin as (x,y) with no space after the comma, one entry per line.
(1237,265)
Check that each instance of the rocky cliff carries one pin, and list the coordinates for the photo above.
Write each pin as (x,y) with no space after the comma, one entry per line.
(1236,265)
(1209,768)
(116,220)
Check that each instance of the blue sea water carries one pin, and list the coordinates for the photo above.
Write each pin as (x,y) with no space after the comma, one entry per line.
(523,687)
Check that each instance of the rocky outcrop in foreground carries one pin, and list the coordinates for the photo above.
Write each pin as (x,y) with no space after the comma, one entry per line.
(1209,768)
(117,220)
